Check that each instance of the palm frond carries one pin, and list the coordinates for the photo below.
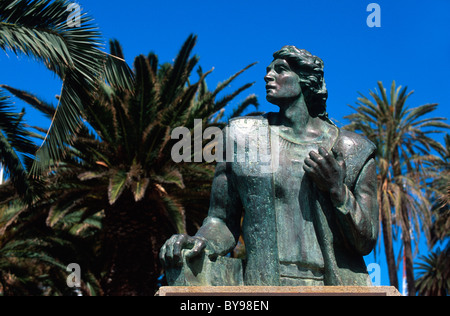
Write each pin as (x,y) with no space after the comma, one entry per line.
(39,29)
(434,274)
(117,185)
(15,147)
(176,213)
(178,74)
(127,161)
(405,159)
(239,110)
(45,108)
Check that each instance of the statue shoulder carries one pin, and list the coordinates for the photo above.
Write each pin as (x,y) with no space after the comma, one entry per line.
(350,143)
(356,150)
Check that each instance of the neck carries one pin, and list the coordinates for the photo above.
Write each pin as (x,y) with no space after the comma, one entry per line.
(295,114)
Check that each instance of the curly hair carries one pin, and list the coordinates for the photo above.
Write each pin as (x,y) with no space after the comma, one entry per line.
(310,70)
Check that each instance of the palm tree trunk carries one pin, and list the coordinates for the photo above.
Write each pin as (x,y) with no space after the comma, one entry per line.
(406,228)
(389,248)
(133,237)
(408,257)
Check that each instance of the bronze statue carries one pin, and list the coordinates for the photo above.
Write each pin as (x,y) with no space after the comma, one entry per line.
(312,219)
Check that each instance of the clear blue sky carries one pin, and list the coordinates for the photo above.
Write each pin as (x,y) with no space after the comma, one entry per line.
(412,46)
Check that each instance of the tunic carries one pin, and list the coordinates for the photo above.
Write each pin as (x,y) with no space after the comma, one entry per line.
(293,233)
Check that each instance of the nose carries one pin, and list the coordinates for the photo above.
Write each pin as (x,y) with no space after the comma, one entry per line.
(269,77)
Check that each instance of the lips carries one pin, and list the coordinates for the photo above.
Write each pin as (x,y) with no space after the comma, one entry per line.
(270,87)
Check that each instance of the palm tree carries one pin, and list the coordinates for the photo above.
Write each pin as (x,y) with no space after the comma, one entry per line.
(41,29)
(439,172)
(16,150)
(120,164)
(402,136)
(36,248)
(434,276)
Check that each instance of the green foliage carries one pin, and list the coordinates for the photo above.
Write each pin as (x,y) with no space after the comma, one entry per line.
(434,274)
(439,185)
(34,256)
(402,136)
(16,149)
(39,29)
(121,155)
(405,150)
(135,127)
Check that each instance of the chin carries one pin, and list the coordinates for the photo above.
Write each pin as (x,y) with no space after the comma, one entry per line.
(273,100)
(270,98)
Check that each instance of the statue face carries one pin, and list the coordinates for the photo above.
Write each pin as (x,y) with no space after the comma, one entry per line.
(282,83)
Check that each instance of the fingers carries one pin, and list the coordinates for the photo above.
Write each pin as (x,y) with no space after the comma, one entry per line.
(327,157)
(327,170)
(163,252)
(178,246)
(339,158)
(197,249)
(324,153)
(315,157)
(321,166)
(307,167)
(171,253)
(319,158)
(322,161)
(315,163)
(313,160)
(310,166)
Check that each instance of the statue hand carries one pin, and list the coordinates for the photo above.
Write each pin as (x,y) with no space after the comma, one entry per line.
(171,252)
(328,173)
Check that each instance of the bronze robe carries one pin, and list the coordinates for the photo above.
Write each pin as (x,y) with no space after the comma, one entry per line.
(344,233)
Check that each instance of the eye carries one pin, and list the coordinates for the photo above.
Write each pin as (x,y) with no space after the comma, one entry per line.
(281,68)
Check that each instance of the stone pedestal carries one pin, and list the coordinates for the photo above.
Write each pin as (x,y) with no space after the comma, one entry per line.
(195,291)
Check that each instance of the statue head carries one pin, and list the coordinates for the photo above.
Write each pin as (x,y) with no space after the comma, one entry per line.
(299,73)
